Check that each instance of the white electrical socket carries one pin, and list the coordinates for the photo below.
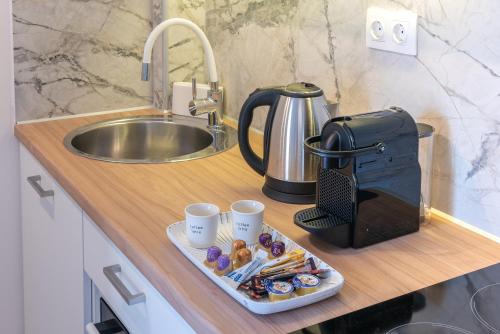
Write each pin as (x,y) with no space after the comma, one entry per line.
(399,32)
(377,31)
(391,30)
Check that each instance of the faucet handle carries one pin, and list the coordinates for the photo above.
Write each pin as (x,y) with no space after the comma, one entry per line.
(193,84)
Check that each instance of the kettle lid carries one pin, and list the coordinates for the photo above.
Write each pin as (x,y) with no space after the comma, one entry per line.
(301,90)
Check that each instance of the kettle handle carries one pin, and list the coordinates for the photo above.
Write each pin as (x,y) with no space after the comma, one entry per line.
(259,98)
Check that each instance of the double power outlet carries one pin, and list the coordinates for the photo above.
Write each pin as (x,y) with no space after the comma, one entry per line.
(391,30)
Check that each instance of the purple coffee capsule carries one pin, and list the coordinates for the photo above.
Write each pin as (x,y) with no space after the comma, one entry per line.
(213,253)
(265,240)
(223,262)
(278,248)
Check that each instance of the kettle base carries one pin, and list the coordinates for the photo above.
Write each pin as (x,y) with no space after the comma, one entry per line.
(290,192)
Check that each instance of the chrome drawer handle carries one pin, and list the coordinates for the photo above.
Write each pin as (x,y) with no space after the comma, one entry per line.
(111,273)
(35,183)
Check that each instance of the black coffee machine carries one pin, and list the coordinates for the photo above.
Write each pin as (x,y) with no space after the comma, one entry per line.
(368,187)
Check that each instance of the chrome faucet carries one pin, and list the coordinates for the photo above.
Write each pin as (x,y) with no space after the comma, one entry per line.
(213,103)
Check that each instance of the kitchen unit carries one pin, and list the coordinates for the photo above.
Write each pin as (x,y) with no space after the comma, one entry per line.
(110,221)
(71,264)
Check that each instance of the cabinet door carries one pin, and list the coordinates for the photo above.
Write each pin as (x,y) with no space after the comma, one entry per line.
(148,312)
(52,253)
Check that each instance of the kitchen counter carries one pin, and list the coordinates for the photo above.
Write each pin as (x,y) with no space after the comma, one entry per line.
(133,204)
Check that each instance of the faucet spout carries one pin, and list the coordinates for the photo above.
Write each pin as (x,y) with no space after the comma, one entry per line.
(213,104)
(145,72)
(148,47)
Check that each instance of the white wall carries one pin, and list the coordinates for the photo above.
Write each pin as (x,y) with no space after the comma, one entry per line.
(11,295)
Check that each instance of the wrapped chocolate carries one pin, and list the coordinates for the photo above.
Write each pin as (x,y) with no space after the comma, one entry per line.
(256,283)
(213,254)
(253,292)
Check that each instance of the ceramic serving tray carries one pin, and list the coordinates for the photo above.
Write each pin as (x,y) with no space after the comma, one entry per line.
(329,286)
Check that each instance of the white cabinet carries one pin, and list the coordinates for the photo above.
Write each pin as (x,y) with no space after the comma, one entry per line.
(52,253)
(134,300)
(62,249)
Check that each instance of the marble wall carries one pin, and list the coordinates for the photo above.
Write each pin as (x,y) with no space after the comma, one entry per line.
(453,83)
(182,42)
(77,56)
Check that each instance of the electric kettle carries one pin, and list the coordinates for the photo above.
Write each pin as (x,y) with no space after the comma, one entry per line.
(296,111)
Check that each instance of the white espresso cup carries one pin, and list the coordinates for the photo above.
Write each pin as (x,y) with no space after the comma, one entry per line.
(202,221)
(248,216)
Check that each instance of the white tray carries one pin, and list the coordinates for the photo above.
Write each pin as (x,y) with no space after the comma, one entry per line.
(329,286)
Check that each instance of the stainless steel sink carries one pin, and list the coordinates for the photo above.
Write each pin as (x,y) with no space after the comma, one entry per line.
(149,139)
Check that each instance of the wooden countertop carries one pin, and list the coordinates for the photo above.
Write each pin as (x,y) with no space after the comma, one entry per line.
(133,204)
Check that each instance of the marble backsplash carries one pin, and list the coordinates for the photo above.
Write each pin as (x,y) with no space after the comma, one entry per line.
(453,83)
(75,56)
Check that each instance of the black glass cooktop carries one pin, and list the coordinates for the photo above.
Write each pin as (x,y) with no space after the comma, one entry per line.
(463,305)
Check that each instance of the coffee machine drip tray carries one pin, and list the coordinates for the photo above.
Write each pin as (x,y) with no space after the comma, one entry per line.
(326,225)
